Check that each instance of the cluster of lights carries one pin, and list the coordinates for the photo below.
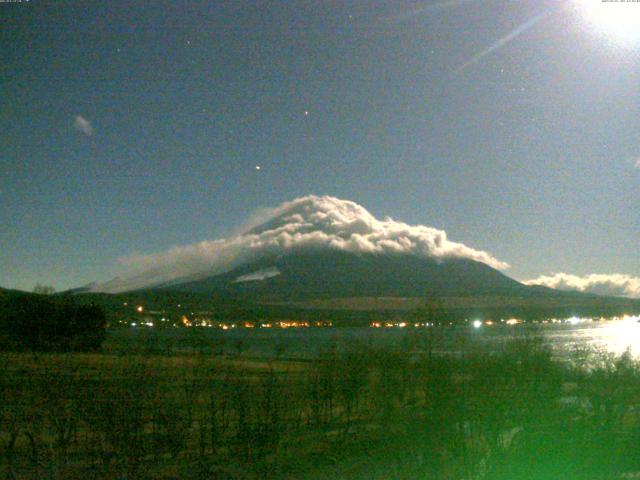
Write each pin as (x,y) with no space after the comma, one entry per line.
(142,324)
(205,322)
(292,324)
(399,324)
(186,322)
(516,321)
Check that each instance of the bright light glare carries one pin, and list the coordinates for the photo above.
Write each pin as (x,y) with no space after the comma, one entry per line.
(477,324)
(618,20)
(623,334)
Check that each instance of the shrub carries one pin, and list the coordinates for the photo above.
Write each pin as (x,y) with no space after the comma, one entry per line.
(34,322)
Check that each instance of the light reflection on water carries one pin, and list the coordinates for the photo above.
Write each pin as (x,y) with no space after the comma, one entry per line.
(564,337)
(614,336)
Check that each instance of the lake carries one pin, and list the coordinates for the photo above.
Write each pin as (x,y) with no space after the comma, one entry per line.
(614,336)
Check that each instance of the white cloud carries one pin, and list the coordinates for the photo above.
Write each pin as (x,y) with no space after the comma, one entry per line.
(602,284)
(310,222)
(83,125)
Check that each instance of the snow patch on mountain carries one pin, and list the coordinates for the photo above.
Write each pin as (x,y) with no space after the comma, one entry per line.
(259,275)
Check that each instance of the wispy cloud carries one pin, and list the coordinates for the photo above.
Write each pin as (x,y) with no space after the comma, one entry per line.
(305,223)
(83,125)
(602,284)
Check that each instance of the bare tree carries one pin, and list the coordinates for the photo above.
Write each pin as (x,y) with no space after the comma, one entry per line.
(44,289)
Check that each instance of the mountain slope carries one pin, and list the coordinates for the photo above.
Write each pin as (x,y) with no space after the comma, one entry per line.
(336,274)
(379,285)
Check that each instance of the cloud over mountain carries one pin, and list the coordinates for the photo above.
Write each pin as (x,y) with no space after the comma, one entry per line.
(311,222)
(601,284)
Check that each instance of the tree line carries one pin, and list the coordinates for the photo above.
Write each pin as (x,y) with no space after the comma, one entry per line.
(44,322)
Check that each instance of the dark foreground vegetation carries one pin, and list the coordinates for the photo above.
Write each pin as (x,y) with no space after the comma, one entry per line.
(36,322)
(353,413)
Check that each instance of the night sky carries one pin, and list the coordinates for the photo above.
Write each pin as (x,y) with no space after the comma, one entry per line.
(132,127)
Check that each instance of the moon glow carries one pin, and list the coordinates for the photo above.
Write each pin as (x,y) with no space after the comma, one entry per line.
(619,20)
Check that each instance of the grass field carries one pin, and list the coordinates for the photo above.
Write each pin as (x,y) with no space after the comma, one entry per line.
(359,413)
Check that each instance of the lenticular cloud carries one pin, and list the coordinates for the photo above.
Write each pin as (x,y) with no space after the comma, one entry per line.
(600,284)
(310,222)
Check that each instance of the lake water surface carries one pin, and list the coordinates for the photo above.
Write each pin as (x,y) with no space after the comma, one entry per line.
(614,336)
